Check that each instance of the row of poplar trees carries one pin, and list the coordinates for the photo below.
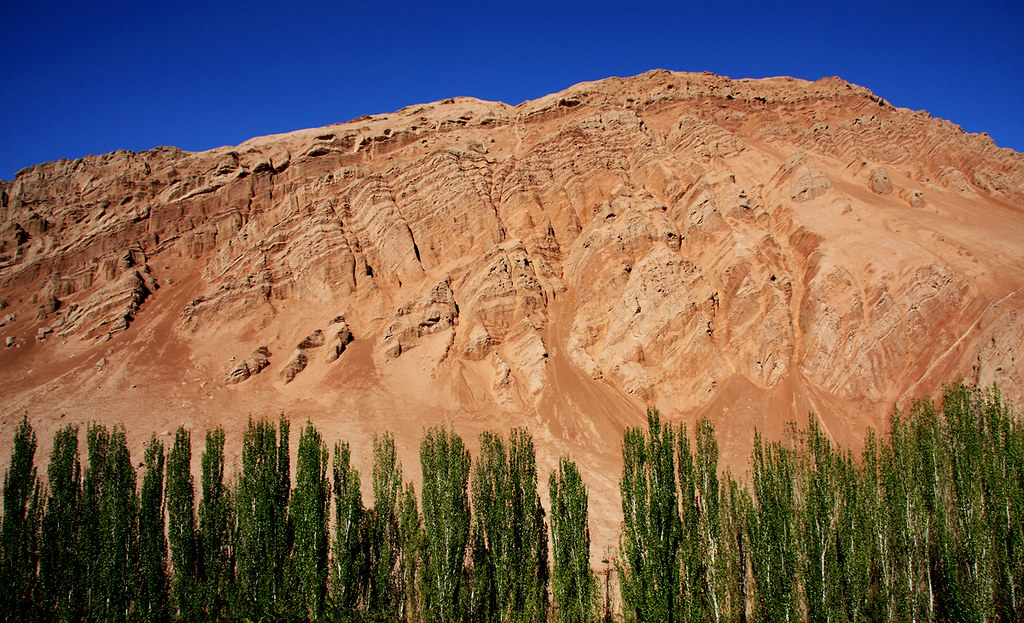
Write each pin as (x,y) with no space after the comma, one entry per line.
(925,524)
(93,547)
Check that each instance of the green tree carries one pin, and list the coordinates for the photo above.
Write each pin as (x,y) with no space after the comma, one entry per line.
(92,555)
(648,565)
(510,539)
(19,532)
(772,530)
(692,550)
(573,581)
(491,538)
(737,515)
(119,517)
(386,597)
(347,561)
(309,507)
(183,537)
(528,551)
(60,574)
(445,465)
(709,563)
(261,507)
(817,510)
(215,520)
(412,541)
(153,603)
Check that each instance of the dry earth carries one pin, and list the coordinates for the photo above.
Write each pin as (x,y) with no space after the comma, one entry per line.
(743,250)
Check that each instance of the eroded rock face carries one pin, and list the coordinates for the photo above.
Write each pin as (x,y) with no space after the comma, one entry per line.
(653,238)
(434,312)
(254,364)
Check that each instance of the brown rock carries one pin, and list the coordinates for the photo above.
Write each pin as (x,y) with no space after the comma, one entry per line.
(879,181)
(292,368)
(557,264)
(313,340)
(342,338)
(254,364)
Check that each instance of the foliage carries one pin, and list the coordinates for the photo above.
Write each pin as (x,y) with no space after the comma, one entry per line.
(264,528)
(61,589)
(572,579)
(216,518)
(445,465)
(651,528)
(183,537)
(926,523)
(20,530)
(308,509)
(348,576)
(153,597)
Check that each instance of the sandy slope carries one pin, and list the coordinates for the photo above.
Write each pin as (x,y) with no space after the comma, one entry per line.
(746,251)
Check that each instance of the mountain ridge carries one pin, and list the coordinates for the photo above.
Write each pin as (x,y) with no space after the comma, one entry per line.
(744,250)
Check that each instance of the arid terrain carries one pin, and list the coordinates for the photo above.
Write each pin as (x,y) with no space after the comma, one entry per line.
(747,251)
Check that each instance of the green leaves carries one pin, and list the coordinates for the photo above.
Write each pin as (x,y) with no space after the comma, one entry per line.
(509,540)
(573,581)
(308,510)
(216,518)
(60,577)
(153,588)
(651,527)
(445,464)
(264,541)
(348,577)
(183,538)
(20,530)
(926,524)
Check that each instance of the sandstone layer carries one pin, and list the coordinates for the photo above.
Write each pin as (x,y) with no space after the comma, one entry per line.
(744,250)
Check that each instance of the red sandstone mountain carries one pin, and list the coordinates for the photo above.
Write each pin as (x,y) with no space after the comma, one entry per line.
(743,250)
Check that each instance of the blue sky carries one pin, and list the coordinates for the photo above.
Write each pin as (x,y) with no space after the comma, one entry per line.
(83,79)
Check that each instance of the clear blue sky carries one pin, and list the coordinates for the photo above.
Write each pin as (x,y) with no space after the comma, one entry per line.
(86,77)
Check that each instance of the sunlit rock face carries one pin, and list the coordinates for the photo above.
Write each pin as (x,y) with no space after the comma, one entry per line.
(744,250)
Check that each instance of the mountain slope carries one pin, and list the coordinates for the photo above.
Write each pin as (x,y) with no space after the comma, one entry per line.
(743,250)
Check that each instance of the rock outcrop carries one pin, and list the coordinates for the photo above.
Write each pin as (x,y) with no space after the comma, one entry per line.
(744,250)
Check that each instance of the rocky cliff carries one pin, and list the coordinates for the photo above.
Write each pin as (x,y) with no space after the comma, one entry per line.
(744,250)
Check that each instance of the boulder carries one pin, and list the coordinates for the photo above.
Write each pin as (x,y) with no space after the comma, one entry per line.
(879,181)
(254,364)
(293,367)
(342,338)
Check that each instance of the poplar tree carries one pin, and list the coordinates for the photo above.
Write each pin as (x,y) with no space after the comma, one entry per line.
(510,538)
(261,506)
(91,539)
(692,549)
(737,515)
(412,542)
(491,536)
(347,575)
(386,597)
(573,581)
(215,524)
(773,538)
(445,465)
(19,531)
(60,569)
(528,552)
(648,565)
(309,506)
(153,589)
(710,562)
(119,522)
(183,537)
(817,519)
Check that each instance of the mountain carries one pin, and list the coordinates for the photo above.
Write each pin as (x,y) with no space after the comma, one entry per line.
(748,251)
